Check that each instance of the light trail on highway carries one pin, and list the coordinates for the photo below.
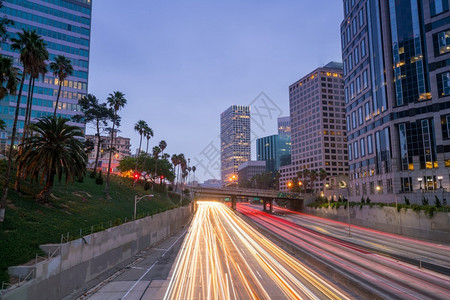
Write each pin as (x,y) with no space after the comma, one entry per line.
(384,276)
(222,257)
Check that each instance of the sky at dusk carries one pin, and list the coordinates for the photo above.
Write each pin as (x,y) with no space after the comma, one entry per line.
(182,63)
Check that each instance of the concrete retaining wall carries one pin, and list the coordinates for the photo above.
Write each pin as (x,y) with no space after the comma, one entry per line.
(387,219)
(82,260)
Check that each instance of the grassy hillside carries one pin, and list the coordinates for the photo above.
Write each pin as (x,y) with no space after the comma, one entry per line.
(74,207)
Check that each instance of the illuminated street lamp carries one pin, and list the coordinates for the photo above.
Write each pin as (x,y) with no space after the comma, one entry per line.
(440,181)
(420,182)
(289,185)
(378,188)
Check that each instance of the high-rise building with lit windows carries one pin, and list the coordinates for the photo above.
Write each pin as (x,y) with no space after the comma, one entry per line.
(235,147)
(318,129)
(396,57)
(65,26)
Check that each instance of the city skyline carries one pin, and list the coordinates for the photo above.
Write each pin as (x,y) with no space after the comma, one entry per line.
(187,63)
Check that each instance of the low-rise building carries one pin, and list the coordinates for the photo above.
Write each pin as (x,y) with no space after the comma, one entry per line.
(249,169)
(121,149)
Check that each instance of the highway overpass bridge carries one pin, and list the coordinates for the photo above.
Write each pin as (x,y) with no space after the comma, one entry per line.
(267,196)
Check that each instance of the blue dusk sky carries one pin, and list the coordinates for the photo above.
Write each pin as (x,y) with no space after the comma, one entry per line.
(182,63)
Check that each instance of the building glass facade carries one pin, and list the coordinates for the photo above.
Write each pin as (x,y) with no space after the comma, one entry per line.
(234,140)
(405,101)
(275,150)
(65,26)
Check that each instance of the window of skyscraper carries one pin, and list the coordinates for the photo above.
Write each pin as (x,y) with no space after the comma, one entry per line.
(369,144)
(443,42)
(361,17)
(355,149)
(365,79)
(356,55)
(363,147)
(443,81)
(438,6)
(350,62)
(363,48)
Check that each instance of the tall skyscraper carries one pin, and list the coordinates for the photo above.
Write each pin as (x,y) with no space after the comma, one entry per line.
(65,26)
(397,85)
(234,140)
(318,131)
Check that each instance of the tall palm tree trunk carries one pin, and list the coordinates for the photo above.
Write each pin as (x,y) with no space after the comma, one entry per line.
(24,133)
(156,166)
(8,169)
(97,155)
(31,107)
(146,151)
(139,152)
(110,156)
(46,191)
(57,98)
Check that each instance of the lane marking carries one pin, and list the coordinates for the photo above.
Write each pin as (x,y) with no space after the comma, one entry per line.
(151,267)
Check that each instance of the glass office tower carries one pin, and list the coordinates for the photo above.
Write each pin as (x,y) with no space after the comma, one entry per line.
(65,26)
(396,80)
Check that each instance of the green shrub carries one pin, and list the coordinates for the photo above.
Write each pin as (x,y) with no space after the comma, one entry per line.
(407,201)
(362,200)
(415,207)
(424,201)
(93,174)
(368,200)
(437,202)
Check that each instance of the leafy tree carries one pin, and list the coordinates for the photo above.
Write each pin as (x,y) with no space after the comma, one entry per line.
(116,101)
(2,125)
(165,167)
(96,113)
(54,150)
(140,128)
(61,67)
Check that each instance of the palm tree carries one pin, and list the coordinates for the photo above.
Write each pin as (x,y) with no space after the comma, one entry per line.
(175,162)
(30,45)
(312,178)
(140,128)
(61,67)
(39,53)
(8,85)
(54,150)
(162,145)
(322,174)
(156,151)
(116,101)
(148,133)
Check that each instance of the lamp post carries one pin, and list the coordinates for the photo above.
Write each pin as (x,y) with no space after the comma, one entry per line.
(420,182)
(326,186)
(136,201)
(440,181)
(343,184)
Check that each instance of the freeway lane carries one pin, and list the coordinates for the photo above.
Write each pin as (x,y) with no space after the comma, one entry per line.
(222,257)
(393,245)
(385,276)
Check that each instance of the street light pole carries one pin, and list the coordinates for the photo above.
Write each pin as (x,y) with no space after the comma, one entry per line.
(136,201)
(348,209)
